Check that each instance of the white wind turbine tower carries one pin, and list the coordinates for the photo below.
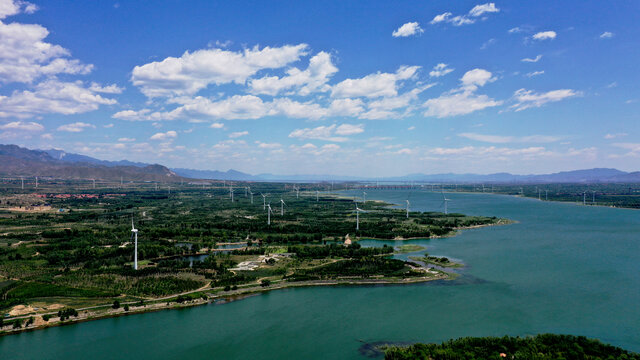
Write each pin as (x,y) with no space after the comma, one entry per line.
(594,197)
(297,191)
(36,182)
(358,211)
(269,212)
(264,201)
(317,194)
(407,208)
(134,235)
(584,198)
(364,197)
(231,193)
(444,202)
(250,193)
(282,204)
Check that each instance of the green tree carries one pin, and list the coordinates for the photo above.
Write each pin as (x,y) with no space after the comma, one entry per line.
(116,304)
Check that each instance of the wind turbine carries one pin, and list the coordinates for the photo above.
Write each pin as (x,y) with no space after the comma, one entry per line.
(407,208)
(231,193)
(297,191)
(134,235)
(444,202)
(317,194)
(282,204)
(36,182)
(358,211)
(264,201)
(594,197)
(269,212)
(250,193)
(584,198)
(364,197)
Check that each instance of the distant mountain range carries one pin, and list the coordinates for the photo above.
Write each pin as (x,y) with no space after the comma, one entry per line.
(18,161)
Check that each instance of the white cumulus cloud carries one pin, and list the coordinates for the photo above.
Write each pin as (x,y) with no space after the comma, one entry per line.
(606,35)
(194,71)
(164,136)
(463,100)
(22,126)
(374,85)
(76,127)
(440,70)
(408,29)
(307,81)
(545,35)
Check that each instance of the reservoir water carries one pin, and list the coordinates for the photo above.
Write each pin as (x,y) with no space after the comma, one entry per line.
(563,268)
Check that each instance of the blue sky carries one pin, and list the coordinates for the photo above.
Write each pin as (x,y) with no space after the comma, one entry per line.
(333,87)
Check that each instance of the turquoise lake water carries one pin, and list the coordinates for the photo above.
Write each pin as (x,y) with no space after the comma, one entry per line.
(563,268)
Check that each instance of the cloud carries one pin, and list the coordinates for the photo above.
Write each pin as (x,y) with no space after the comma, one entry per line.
(544,35)
(411,128)
(15,7)
(488,43)
(460,103)
(534,60)
(164,136)
(613,136)
(217,125)
(22,126)
(408,29)
(46,136)
(477,77)
(108,126)
(463,100)
(51,96)
(313,79)
(526,99)
(374,85)
(328,133)
(535,73)
(25,56)
(75,127)
(109,89)
(238,134)
(497,139)
(347,129)
(192,72)
(478,10)
(606,35)
(126,139)
(482,152)
(440,70)
(269,146)
(467,19)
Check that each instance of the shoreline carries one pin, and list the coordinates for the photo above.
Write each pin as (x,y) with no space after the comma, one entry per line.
(216,299)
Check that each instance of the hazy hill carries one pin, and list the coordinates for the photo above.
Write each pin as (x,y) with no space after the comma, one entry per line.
(15,160)
(18,161)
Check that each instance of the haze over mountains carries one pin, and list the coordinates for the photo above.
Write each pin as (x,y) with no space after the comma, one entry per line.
(17,161)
